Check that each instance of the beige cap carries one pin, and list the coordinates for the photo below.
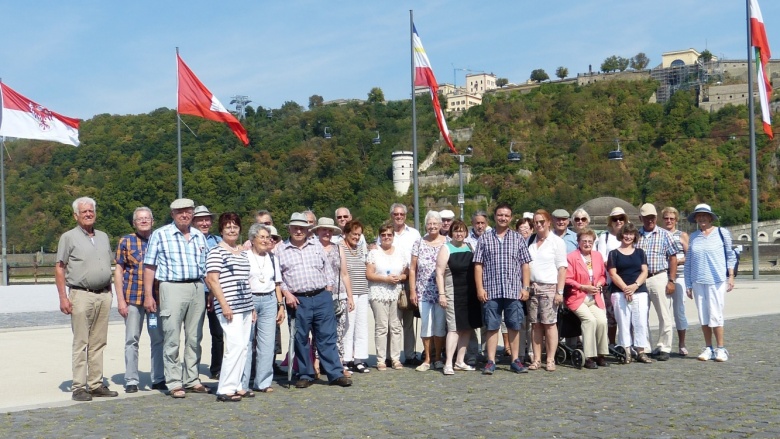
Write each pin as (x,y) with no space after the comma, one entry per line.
(648,209)
(182,203)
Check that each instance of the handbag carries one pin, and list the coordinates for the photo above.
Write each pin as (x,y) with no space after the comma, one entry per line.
(403,298)
(338,310)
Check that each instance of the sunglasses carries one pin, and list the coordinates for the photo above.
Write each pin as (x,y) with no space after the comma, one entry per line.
(342,217)
(399,214)
(580,220)
(540,223)
(619,218)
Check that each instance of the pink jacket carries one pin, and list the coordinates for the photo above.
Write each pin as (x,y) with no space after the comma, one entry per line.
(577,275)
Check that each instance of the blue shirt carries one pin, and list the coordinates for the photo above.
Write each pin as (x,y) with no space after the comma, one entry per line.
(176,258)
(707,257)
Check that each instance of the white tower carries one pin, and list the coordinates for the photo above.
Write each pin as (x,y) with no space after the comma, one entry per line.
(403,161)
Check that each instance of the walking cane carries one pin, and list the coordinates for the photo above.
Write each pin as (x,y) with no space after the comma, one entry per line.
(291,347)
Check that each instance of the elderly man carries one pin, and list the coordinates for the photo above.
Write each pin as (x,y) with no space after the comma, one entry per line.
(404,240)
(202,219)
(479,225)
(343,216)
(307,282)
(84,268)
(561,229)
(176,257)
(661,252)
(502,275)
(447,217)
(311,220)
(129,284)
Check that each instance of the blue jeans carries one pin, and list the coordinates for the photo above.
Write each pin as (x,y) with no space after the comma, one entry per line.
(263,333)
(316,314)
(136,314)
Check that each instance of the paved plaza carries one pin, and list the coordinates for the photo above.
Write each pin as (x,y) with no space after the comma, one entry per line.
(679,398)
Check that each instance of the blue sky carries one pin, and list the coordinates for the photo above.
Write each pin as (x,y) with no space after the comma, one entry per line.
(82,58)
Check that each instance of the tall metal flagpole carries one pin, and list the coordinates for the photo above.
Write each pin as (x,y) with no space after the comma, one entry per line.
(414,128)
(4,262)
(178,123)
(753,171)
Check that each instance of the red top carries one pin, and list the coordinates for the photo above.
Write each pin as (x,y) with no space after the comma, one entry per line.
(577,275)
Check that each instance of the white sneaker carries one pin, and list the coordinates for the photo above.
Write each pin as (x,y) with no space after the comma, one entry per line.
(464,367)
(721,355)
(707,354)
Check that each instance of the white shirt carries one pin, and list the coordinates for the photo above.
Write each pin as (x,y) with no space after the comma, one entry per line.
(263,272)
(404,242)
(547,259)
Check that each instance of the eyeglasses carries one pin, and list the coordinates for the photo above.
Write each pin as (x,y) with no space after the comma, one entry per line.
(670,219)
(267,223)
(399,214)
(342,217)
(580,220)
(143,220)
(386,235)
(540,223)
(448,220)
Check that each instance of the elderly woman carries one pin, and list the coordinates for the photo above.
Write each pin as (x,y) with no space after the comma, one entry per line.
(264,281)
(580,220)
(324,230)
(458,294)
(423,291)
(548,277)
(227,275)
(627,267)
(607,242)
(709,275)
(670,216)
(356,337)
(586,276)
(525,227)
(386,271)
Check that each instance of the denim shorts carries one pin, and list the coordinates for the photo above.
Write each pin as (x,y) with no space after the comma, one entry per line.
(512,310)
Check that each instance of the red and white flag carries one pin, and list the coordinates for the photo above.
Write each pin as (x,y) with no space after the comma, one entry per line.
(759,41)
(25,119)
(423,75)
(195,99)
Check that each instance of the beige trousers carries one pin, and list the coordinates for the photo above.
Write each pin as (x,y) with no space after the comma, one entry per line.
(89,321)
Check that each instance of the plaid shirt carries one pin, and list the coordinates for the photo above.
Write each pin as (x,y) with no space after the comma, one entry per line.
(175,258)
(502,263)
(658,246)
(306,268)
(130,255)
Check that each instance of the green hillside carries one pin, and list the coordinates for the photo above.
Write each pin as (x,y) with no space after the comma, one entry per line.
(675,154)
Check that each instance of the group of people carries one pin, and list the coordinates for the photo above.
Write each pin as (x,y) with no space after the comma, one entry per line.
(325,278)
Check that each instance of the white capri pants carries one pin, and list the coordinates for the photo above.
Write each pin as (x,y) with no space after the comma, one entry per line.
(710,300)
(434,320)
(632,313)
(356,337)
(678,302)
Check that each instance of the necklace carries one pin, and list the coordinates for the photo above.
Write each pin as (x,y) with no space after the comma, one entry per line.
(349,249)
(255,256)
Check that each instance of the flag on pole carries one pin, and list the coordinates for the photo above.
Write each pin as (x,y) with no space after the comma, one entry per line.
(195,99)
(423,75)
(759,41)
(25,119)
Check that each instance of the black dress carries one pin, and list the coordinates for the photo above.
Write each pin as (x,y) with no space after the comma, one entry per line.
(460,285)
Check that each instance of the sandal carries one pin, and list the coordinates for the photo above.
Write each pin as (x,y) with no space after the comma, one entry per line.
(381,367)
(247,394)
(643,358)
(347,372)
(683,351)
(229,398)
(267,390)
(536,365)
(397,365)
(177,393)
(550,366)
(361,368)
(200,388)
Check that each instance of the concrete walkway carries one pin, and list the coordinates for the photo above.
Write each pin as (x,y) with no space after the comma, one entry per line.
(36,359)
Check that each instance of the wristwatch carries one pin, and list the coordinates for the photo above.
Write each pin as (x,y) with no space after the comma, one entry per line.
(560,292)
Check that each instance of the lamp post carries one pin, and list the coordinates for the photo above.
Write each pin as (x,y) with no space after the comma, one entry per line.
(461,160)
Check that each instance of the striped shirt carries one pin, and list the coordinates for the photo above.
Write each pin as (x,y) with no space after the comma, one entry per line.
(176,258)
(130,255)
(304,268)
(233,279)
(659,246)
(356,267)
(502,263)
(705,261)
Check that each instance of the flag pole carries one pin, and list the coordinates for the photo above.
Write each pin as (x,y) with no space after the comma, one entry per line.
(178,125)
(414,128)
(752,128)
(4,262)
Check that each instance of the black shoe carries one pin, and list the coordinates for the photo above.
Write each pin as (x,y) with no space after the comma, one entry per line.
(341,381)
(414,361)
(159,386)
(278,371)
(103,392)
(389,363)
(662,356)
(132,388)
(590,364)
(81,395)
(602,362)
(215,376)
(303,383)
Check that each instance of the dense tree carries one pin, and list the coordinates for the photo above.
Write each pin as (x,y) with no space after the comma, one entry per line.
(640,61)
(610,64)
(376,95)
(315,101)
(539,75)
(622,63)
(561,72)
(501,82)
(706,56)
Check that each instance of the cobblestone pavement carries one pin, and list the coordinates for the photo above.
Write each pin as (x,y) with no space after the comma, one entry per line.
(679,398)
